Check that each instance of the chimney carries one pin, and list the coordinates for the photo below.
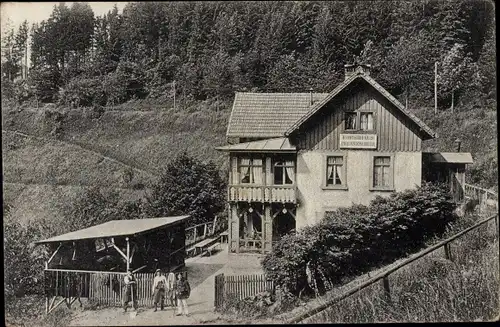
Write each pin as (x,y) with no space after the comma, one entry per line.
(311,96)
(458,142)
(351,69)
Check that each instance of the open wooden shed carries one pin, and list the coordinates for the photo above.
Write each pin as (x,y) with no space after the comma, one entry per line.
(447,167)
(91,262)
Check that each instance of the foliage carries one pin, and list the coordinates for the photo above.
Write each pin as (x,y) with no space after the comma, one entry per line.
(215,49)
(24,261)
(432,289)
(188,187)
(82,92)
(349,241)
(94,206)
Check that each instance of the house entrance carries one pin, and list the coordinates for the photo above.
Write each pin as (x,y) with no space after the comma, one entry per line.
(283,223)
(250,229)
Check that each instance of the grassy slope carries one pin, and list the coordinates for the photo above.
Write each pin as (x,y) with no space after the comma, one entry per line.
(465,289)
(91,151)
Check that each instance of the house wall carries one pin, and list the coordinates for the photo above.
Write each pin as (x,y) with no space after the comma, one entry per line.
(395,131)
(313,199)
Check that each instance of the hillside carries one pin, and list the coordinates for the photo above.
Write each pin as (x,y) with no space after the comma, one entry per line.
(123,149)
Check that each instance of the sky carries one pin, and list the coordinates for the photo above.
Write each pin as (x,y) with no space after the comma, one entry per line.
(35,12)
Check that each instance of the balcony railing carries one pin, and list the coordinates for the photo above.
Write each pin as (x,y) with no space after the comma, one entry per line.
(263,193)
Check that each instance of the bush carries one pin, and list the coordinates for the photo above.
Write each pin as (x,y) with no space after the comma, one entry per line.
(24,260)
(83,92)
(350,241)
(188,187)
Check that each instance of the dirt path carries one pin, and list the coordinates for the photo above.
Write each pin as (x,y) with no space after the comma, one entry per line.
(201,274)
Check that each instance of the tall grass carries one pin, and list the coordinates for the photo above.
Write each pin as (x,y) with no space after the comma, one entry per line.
(432,289)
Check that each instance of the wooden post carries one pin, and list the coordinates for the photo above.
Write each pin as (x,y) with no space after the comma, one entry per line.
(435,87)
(128,253)
(447,251)
(387,289)
(45,273)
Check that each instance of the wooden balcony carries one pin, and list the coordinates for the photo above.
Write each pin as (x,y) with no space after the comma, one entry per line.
(263,193)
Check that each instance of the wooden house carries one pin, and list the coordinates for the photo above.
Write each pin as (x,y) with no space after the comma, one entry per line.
(294,156)
(91,262)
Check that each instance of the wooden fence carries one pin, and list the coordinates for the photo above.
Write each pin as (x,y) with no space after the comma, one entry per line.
(199,232)
(384,276)
(487,198)
(239,287)
(101,288)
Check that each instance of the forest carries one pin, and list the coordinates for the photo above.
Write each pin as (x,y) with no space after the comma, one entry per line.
(201,50)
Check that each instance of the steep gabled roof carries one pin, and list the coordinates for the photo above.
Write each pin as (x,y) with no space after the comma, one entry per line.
(267,115)
(428,133)
(280,144)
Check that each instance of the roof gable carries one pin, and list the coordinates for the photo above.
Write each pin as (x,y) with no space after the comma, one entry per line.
(428,133)
(267,115)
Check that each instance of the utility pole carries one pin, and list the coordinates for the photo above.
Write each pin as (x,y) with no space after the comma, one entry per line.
(174,95)
(435,87)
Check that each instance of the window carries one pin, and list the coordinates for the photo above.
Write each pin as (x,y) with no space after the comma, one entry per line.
(350,120)
(359,121)
(382,178)
(250,171)
(284,172)
(366,121)
(334,169)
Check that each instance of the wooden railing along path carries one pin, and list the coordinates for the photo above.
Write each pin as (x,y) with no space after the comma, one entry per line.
(486,198)
(384,276)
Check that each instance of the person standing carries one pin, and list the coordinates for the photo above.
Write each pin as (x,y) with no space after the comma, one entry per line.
(170,289)
(182,292)
(159,283)
(130,293)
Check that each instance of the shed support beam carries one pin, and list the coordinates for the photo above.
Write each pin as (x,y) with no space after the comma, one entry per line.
(121,252)
(128,253)
(54,254)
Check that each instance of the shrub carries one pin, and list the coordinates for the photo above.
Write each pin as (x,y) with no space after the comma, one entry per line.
(24,260)
(188,187)
(352,240)
(83,92)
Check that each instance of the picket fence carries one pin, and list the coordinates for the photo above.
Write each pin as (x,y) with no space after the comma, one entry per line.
(239,287)
(104,289)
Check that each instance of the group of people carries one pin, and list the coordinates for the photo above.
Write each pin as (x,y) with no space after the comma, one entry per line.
(171,289)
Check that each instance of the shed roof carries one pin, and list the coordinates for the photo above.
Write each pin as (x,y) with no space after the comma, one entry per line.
(115,228)
(281,144)
(450,157)
(268,114)
(360,74)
